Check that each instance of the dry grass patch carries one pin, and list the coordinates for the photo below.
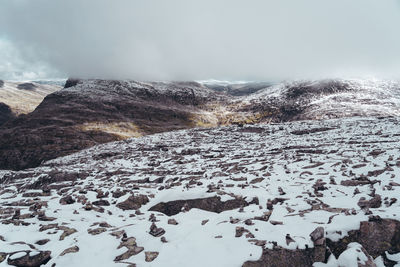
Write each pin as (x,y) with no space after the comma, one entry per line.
(122,129)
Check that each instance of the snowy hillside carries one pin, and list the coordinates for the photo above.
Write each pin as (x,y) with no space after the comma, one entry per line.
(281,194)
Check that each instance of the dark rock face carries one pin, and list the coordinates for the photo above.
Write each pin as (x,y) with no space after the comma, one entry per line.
(375,202)
(279,256)
(31,261)
(133,202)
(213,204)
(26,86)
(67,200)
(376,236)
(71,82)
(6,113)
(1,83)
(283,258)
(66,121)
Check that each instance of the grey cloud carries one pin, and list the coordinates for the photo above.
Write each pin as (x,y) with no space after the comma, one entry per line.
(221,39)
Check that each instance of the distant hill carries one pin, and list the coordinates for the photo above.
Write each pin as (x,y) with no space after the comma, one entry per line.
(90,112)
(24,97)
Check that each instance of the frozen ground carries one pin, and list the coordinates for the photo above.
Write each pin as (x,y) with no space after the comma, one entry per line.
(244,190)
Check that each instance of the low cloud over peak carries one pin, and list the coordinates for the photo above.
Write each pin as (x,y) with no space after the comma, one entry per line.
(189,40)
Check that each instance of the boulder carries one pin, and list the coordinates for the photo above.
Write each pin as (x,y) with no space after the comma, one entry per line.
(212,204)
(29,258)
(134,202)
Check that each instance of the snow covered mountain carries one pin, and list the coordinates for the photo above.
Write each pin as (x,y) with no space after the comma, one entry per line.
(278,194)
(91,112)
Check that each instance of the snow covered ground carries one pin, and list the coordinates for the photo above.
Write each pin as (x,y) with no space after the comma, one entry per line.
(266,186)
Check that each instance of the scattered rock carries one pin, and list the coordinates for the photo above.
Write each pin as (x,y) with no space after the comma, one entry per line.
(67,200)
(42,242)
(172,221)
(375,236)
(67,232)
(133,249)
(96,231)
(73,249)
(374,202)
(101,202)
(155,231)
(133,202)
(151,255)
(38,258)
(213,204)
(284,258)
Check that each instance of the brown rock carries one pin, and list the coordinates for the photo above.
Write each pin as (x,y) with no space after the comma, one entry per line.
(151,255)
(133,249)
(374,202)
(213,204)
(318,235)
(172,221)
(155,231)
(67,231)
(97,231)
(67,200)
(42,242)
(101,202)
(73,249)
(375,236)
(30,261)
(281,257)
(133,202)
(203,222)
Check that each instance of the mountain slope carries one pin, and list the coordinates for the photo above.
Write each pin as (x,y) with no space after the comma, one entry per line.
(279,194)
(22,97)
(94,112)
(90,112)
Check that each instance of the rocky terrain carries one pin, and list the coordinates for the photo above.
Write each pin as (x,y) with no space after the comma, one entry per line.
(303,193)
(90,112)
(97,111)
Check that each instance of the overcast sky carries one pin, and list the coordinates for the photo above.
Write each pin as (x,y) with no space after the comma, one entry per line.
(202,39)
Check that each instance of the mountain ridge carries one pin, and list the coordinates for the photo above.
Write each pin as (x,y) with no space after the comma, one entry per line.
(90,112)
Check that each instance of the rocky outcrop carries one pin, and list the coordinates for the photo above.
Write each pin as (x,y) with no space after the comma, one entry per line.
(6,113)
(376,236)
(284,258)
(133,202)
(213,204)
(373,239)
(278,256)
(29,258)
(71,82)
